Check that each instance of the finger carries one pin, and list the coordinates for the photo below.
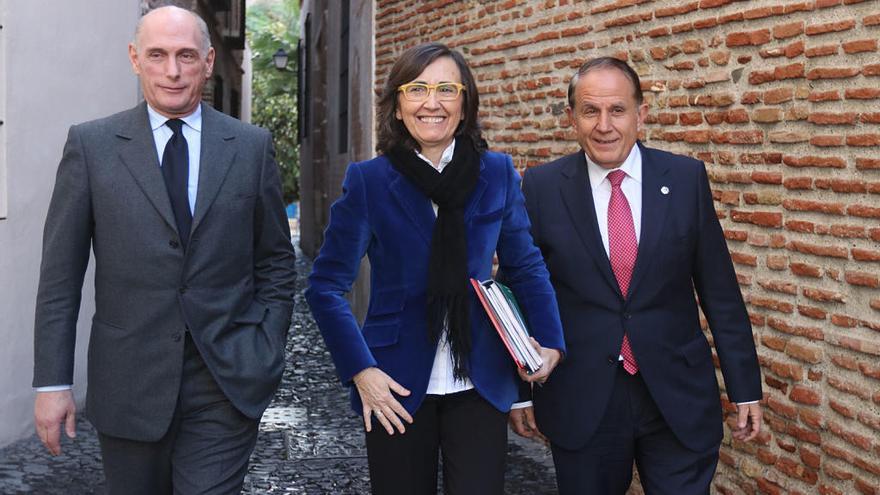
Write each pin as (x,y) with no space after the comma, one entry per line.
(53,439)
(384,422)
(529,415)
(400,411)
(535,344)
(70,424)
(742,416)
(522,374)
(367,422)
(396,387)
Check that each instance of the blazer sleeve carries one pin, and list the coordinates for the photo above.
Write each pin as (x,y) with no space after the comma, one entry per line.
(524,269)
(722,302)
(274,258)
(346,240)
(67,240)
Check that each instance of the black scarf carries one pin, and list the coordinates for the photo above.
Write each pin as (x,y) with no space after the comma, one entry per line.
(448,286)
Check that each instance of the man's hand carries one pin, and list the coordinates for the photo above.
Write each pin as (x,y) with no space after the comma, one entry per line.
(375,388)
(748,421)
(522,422)
(50,410)
(551,358)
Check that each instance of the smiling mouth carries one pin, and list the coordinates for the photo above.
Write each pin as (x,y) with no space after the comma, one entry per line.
(606,141)
(432,119)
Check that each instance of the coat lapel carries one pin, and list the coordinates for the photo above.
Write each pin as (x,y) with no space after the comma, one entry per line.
(217,154)
(138,153)
(416,206)
(654,208)
(479,189)
(578,198)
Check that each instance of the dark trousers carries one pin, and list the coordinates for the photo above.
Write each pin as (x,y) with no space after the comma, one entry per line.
(633,430)
(469,432)
(205,450)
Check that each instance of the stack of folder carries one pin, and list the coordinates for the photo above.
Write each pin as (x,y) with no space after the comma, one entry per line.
(506,317)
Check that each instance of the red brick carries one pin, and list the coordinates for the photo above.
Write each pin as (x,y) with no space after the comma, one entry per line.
(863,211)
(863,279)
(830,27)
(859,46)
(806,353)
(842,185)
(832,73)
(861,93)
(811,312)
(871,20)
(863,140)
(767,115)
(746,38)
(798,183)
(822,295)
(826,141)
(817,206)
(821,51)
(677,10)
(828,118)
(848,231)
(865,254)
(814,161)
(797,470)
(789,30)
(804,395)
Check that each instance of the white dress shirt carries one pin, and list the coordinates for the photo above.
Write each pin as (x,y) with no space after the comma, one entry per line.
(192,131)
(442,380)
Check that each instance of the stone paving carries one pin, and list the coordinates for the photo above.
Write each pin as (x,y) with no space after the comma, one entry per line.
(310,442)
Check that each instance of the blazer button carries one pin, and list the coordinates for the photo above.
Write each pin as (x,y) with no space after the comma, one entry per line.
(174,244)
(182,289)
(612,359)
(627,316)
(176,337)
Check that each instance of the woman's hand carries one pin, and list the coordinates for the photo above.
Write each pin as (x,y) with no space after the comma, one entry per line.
(551,358)
(375,388)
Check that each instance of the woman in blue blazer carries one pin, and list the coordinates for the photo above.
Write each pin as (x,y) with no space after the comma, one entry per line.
(429,372)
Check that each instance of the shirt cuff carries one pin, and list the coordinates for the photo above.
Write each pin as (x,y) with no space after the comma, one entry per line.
(747,403)
(521,405)
(53,388)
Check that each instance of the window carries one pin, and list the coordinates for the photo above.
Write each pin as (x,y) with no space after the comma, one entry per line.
(305,74)
(343,77)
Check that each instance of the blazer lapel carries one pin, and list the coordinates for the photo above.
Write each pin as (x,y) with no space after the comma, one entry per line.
(477,194)
(578,198)
(138,153)
(416,206)
(217,154)
(654,208)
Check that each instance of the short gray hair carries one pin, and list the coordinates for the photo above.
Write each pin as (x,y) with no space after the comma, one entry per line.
(203,28)
(606,63)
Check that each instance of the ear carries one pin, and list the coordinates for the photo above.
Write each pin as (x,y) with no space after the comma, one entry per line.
(570,114)
(397,114)
(133,58)
(209,60)
(643,114)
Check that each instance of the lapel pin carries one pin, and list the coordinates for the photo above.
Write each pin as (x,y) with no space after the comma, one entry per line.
(664,190)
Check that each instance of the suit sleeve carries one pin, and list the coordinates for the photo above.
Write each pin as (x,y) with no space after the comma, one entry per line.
(67,240)
(524,269)
(722,303)
(334,271)
(274,258)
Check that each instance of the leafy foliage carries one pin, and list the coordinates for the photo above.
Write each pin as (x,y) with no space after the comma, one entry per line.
(274,24)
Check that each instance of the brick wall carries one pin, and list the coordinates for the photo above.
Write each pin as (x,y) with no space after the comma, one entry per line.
(780,100)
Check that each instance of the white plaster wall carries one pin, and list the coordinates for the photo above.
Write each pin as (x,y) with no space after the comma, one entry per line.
(65,62)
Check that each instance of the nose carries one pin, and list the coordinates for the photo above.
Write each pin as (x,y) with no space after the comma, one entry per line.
(603,123)
(172,68)
(432,101)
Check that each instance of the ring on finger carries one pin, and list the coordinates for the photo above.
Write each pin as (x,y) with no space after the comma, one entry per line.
(378,413)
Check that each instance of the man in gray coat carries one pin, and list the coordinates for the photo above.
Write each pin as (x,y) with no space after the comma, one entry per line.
(194,277)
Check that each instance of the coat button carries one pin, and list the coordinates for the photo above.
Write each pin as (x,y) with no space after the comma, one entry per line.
(176,337)
(182,289)
(174,244)
(627,316)
(612,359)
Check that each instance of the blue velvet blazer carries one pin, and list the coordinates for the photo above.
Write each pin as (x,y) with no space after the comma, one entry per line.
(383,215)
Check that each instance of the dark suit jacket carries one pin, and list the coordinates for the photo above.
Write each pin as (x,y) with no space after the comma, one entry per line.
(681,248)
(232,288)
(383,215)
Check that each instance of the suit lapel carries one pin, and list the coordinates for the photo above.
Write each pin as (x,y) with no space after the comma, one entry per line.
(578,198)
(654,208)
(477,194)
(138,153)
(217,154)
(416,206)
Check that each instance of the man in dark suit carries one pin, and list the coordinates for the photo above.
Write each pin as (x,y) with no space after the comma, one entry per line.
(628,234)
(194,277)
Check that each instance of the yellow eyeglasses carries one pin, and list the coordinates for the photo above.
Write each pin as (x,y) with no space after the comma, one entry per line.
(416,91)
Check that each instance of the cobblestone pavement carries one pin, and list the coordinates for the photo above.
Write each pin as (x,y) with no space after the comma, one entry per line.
(309,441)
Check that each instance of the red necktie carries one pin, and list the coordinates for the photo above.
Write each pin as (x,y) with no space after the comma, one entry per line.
(623,248)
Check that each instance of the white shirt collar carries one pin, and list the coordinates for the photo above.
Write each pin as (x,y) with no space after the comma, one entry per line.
(193,120)
(445,158)
(632,166)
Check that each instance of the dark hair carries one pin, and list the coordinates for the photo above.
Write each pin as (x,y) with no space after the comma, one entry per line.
(390,131)
(606,63)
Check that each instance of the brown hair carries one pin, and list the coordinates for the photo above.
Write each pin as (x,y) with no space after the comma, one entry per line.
(390,131)
(606,63)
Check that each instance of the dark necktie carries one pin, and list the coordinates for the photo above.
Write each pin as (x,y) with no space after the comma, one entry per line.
(622,250)
(175,170)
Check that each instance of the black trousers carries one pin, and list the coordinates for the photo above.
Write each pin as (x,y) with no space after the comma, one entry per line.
(206,448)
(469,432)
(633,430)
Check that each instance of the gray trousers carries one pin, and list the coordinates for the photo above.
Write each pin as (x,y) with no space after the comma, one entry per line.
(205,450)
